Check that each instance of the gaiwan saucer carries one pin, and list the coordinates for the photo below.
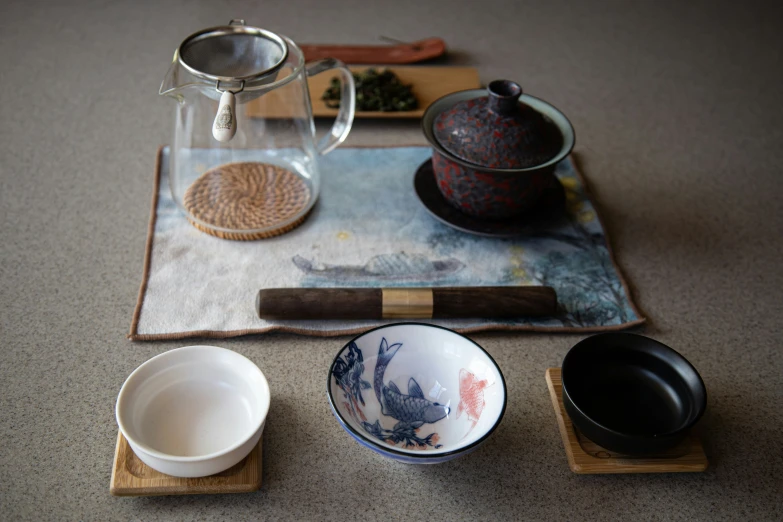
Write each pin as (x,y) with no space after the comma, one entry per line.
(550,208)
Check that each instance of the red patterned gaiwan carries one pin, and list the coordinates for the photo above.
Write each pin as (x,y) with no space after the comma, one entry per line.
(495,151)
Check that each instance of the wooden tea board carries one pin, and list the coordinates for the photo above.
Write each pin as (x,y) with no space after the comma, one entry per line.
(130,477)
(429,84)
(585,456)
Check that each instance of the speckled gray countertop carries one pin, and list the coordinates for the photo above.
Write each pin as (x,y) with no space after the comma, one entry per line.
(679,126)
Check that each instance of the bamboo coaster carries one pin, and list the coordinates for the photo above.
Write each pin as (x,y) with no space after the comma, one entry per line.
(253,200)
(130,477)
(585,456)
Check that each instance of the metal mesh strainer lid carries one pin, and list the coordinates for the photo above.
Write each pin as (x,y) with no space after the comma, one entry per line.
(235,52)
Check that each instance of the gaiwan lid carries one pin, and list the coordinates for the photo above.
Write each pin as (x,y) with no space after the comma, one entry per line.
(498,131)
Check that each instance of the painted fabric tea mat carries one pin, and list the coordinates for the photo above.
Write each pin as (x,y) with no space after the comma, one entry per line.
(369,229)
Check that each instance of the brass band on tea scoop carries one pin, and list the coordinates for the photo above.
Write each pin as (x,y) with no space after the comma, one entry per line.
(409,303)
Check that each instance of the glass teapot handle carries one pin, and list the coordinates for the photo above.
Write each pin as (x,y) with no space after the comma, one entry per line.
(342,124)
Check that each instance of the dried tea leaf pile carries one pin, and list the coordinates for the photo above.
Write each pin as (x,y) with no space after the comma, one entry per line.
(376,90)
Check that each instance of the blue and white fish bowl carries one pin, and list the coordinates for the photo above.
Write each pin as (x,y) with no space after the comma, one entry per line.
(416,393)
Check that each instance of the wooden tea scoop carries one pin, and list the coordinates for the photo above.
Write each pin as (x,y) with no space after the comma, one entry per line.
(377,54)
(406,303)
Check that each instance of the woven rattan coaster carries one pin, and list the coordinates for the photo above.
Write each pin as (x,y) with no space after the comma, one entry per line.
(253,200)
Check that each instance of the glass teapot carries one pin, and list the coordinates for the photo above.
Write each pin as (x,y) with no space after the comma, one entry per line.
(244,160)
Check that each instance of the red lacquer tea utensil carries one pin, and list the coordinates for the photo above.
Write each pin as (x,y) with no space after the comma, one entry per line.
(377,54)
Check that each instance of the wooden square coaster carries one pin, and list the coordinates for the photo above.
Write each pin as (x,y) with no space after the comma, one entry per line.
(130,477)
(585,456)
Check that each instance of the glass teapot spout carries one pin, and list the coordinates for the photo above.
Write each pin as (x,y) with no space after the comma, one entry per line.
(176,79)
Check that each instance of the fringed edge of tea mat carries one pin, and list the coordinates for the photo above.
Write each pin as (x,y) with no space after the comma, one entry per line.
(218,334)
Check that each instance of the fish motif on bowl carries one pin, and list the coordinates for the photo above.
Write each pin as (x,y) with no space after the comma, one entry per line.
(416,393)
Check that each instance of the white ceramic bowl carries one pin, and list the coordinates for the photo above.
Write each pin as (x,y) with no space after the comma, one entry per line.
(416,393)
(193,411)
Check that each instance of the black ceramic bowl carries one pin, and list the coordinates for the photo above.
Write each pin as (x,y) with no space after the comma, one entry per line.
(631,394)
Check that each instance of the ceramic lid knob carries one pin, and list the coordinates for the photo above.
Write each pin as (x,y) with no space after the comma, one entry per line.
(497,130)
(503,96)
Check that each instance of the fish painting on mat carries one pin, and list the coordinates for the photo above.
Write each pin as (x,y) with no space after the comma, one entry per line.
(388,267)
